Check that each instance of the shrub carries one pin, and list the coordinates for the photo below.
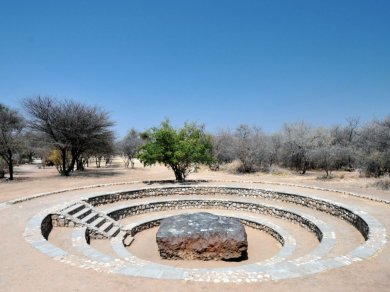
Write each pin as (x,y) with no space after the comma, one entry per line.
(383,184)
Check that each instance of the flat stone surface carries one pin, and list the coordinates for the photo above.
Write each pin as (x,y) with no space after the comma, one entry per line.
(202,236)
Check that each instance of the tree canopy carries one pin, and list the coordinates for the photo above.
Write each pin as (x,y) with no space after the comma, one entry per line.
(69,126)
(11,127)
(129,146)
(178,149)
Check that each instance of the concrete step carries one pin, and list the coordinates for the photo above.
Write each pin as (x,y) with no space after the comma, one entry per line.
(106,226)
(114,231)
(82,213)
(128,240)
(121,233)
(90,217)
(99,222)
(73,209)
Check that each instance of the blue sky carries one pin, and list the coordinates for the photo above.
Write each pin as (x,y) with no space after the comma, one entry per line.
(222,63)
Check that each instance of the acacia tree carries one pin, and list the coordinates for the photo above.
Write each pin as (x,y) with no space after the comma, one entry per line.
(223,147)
(374,142)
(11,126)
(129,146)
(275,142)
(102,150)
(68,126)
(297,142)
(177,149)
(28,146)
(32,144)
(345,138)
(2,166)
(329,158)
(250,147)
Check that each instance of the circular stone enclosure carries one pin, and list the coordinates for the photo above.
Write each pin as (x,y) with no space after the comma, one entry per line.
(248,203)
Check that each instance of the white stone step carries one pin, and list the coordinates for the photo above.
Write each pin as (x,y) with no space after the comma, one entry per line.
(106,226)
(89,217)
(73,209)
(82,213)
(128,240)
(121,234)
(98,222)
(114,231)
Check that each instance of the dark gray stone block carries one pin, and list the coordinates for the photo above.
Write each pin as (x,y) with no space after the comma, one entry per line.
(202,236)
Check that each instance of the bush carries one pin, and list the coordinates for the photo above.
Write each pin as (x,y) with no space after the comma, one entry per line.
(375,164)
(383,184)
(232,167)
(325,177)
(276,170)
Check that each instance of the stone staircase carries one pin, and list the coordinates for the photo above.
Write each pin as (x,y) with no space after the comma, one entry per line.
(98,223)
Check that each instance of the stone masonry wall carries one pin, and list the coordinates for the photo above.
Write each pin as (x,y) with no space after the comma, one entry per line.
(215,204)
(46,226)
(313,203)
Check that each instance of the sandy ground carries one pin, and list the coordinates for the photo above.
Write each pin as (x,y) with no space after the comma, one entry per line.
(23,268)
(29,179)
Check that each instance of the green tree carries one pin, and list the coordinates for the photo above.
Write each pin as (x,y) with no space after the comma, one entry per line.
(178,149)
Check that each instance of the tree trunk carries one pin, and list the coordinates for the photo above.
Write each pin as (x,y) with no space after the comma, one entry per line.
(30,157)
(10,165)
(80,164)
(11,170)
(303,169)
(64,170)
(98,161)
(71,166)
(178,174)
(350,163)
(304,166)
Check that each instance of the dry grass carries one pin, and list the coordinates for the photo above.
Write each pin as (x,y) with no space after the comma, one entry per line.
(279,171)
(382,184)
(232,167)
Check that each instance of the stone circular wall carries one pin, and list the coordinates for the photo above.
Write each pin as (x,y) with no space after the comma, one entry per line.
(248,203)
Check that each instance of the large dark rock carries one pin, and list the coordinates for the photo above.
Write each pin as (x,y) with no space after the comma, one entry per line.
(202,236)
